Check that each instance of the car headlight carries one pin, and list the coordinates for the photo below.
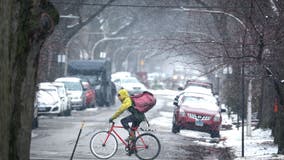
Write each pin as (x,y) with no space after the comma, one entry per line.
(182,112)
(217,118)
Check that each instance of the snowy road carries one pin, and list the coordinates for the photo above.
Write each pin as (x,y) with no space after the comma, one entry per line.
(56,136)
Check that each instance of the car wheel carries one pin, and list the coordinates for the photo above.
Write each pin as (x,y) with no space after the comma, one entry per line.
(113,100)
(94,105)
(67,112)
(35,123)
(215,134)
(107,104)
(100,103)
(175,128)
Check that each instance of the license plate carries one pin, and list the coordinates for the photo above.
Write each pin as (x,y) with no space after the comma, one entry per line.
(199,123)
(41,109)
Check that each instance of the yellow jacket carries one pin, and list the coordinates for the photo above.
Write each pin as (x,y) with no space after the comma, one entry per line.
(126,103)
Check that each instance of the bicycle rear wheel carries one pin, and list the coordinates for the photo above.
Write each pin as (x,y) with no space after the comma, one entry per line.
(147,146)
(103,147)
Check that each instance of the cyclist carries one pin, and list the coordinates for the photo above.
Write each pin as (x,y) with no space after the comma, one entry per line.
(135,118)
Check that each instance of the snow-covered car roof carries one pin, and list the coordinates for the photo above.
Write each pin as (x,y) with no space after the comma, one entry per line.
(68,79)
(118,75)
(209,98)
(198,89)
(199,102)
(46,85)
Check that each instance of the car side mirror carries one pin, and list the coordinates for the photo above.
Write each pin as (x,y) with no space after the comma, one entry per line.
(175,103)
(180,88)
(223,110)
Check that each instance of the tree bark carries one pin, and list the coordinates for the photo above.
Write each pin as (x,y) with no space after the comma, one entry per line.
(24,26)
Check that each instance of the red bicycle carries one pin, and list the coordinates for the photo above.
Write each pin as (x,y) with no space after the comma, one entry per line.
(104,144)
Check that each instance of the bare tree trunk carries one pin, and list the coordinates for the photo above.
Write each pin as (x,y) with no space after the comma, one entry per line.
(24,26)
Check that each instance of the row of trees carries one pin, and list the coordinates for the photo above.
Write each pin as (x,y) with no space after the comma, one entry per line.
(256,46)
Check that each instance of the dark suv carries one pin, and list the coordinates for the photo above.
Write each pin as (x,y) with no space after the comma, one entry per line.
(196,111)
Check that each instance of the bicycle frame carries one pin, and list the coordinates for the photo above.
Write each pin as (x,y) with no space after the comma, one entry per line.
(112,129)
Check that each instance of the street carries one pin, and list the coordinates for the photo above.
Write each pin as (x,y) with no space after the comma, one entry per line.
(56,136)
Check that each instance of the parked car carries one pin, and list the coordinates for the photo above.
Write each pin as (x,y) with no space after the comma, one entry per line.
(194,111)
(35,115)
(198,83)
(48,100)
(89,94)
(62,91)
(131,84)
(75,91)
(118,75)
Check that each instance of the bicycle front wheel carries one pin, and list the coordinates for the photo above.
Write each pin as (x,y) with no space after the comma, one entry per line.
(103,145)
(147,146)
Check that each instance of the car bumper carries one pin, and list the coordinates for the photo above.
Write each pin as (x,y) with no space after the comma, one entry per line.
(42,110)
(76,104)
(198,125)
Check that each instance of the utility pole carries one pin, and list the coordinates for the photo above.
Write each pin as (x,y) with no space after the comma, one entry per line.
(249,108)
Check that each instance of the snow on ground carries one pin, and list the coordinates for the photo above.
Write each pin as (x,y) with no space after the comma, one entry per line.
(258,146)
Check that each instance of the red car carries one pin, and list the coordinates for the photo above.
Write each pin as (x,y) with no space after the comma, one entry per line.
(196,111)
(90,96)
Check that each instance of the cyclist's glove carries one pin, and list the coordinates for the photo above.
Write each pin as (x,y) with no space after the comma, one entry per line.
(110,120)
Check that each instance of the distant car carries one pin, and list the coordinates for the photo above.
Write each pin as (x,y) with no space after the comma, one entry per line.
(89,94)
(118,75)
(131,84)
(75,91)
(201,88)
(207,85)
(49,101)
(194,111)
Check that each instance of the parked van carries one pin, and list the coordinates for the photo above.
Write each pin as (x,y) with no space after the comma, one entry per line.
(75,91)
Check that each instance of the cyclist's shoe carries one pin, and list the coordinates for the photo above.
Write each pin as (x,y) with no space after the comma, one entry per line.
(130,152)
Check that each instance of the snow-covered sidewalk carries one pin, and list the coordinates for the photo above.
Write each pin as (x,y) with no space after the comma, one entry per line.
(257,146)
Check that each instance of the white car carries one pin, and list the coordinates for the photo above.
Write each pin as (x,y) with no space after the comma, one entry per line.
(131,84)
(62,91)
(48,100)
(118,75)
(75,91)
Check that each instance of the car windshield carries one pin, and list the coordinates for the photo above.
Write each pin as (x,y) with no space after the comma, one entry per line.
(61,91)
(73,86)
(194,99)
(94,80)
(129,80)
